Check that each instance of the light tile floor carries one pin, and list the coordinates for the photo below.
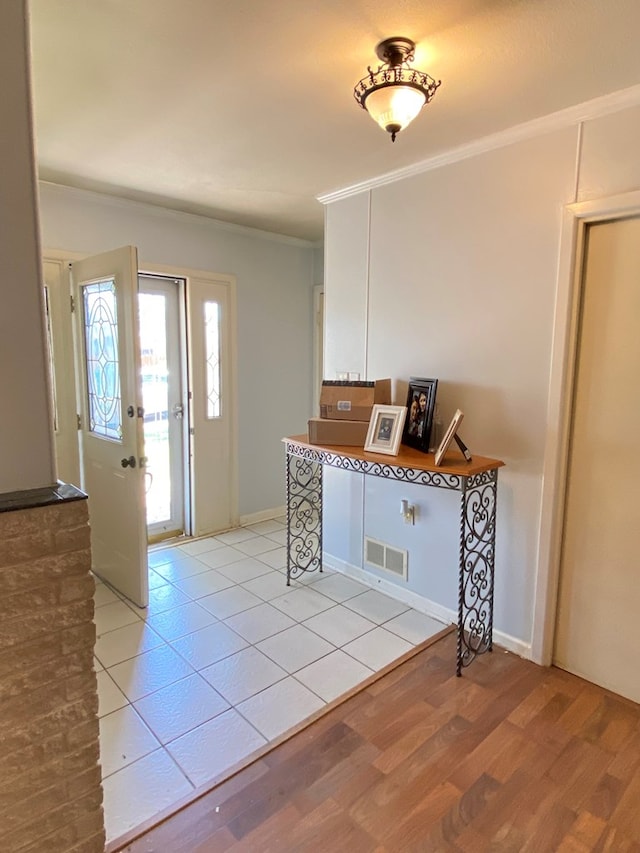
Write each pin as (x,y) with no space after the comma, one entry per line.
(226,658)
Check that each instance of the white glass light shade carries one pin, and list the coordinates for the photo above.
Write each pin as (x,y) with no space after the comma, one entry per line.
(394,107)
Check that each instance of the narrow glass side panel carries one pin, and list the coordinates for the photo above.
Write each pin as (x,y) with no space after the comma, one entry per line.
(212,355)
(101,349)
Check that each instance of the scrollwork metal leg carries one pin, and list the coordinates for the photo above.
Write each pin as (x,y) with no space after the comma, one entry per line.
(477,563)
(304,516)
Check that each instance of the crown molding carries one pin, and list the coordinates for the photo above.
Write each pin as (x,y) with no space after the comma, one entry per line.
(567,117)
(183,216)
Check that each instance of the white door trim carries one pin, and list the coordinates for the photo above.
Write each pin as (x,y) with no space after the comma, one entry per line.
(318,347)
(576,217)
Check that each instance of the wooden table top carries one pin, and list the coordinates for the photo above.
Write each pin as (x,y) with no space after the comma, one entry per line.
(408,457)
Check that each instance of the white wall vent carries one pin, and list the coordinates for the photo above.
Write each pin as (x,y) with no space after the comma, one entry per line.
(385,557)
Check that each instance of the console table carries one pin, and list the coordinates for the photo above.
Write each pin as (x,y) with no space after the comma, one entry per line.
(477,482)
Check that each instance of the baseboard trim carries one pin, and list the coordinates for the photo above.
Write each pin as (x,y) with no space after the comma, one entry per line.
(262,515)
(420,602)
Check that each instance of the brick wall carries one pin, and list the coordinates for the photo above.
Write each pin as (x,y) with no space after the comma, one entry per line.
(50,788)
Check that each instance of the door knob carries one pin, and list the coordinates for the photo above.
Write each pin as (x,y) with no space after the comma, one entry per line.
(177,411)
(128,463)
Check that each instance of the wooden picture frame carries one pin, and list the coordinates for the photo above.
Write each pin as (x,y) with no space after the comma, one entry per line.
(421,403)
(385,429)
(456,420)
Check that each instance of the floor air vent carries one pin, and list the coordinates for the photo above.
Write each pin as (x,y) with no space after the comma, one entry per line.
(385,557)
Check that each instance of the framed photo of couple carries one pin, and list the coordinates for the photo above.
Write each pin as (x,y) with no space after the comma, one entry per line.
(421,402)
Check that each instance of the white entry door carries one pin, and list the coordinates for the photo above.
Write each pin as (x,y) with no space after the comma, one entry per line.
(599,597)
(111,418)
(166,421)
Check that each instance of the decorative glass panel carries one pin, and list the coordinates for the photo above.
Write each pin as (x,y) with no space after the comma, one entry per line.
(212,355)
(101,345)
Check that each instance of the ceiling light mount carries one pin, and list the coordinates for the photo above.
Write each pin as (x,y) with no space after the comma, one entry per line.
(395,93)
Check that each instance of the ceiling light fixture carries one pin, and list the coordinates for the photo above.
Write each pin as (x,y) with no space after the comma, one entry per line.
(395,93)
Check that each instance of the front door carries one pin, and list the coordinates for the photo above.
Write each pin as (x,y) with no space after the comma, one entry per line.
(111,418)
(165,403)
(599,596)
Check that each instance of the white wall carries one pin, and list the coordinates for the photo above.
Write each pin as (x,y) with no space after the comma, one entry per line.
(274,303)
(460,266)
(27,460)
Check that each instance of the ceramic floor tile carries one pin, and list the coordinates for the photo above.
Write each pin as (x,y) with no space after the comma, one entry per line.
(222,557)
(279,707)
(244,570)
(109,617)
(260,622)
(302,603)
(181,620)
(333,675)
(161,598)
(143,789)
(229,602)
(215,746)
(97,666)
(264,527)
(377,648)
(269,586)
(205,584)
(243,675)
(414,627)
(104,595)
(277,558)
(149,672)
(338,587)
(124,738)
(126,642)
(200,546)
(304,579)
(339,625)
(110,697)
(155,579)
(209,645)
(241,534)
(279,536)
(255,546)
(161,556)
(185,705)
(182,567)
(294,648)
(375,606)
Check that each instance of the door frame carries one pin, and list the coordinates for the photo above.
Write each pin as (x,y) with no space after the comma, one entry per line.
(64,258)
(576,218)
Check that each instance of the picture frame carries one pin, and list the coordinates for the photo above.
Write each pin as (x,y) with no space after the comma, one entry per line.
(385,429)
(421,403)
(456,420)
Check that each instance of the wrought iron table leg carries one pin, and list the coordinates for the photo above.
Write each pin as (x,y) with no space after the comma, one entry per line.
(304,516)
(477,563)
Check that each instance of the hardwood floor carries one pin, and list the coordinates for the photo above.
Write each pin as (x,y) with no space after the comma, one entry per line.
(510,757)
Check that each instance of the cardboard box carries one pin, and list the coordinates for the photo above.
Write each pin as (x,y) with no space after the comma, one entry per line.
(353,401)
(346,433)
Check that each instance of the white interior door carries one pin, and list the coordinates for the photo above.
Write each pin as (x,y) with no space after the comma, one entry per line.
(599,596)
(111,433)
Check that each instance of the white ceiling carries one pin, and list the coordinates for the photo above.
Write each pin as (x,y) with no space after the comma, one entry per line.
(244,110)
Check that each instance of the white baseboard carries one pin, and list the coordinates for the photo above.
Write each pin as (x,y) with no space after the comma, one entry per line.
(263,515)
(419,602)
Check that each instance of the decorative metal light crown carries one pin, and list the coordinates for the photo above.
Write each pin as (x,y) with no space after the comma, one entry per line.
(395,93)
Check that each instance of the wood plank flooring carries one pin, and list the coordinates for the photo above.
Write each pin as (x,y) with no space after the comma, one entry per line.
(510,757)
